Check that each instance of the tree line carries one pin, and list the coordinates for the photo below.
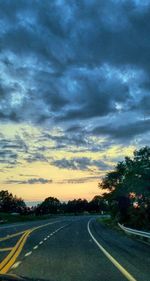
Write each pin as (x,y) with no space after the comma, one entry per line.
(51,205)
(76,206)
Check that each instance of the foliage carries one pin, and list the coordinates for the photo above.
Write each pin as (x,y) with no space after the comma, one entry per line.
(10,203)
(49,205)
(131,175)
(76,206)
(97,204)
(129,188)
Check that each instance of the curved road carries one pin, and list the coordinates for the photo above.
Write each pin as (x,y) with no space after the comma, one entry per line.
(72,249)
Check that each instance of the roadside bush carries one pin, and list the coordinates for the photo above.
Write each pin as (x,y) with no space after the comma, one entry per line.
(139,218)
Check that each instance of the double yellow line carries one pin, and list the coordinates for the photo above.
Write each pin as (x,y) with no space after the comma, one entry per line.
(11,236)
(10,259)
(6,264)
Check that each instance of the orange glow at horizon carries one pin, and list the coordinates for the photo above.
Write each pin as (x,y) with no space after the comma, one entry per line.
(64,183)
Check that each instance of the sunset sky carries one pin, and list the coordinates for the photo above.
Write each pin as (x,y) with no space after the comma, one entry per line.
(74,93)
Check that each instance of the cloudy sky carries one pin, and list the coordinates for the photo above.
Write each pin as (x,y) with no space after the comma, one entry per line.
(74,92)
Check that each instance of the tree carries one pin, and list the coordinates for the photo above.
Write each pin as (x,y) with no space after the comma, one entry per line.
(97,204)
(77,206)
(10,203)
(114,178)
(50,205)
(131,176)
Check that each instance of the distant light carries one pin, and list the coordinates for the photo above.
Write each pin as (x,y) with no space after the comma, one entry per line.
(136,205)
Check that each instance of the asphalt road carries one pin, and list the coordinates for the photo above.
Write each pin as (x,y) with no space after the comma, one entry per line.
(72,249)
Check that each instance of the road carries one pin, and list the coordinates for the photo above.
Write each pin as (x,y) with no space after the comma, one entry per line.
(77,248)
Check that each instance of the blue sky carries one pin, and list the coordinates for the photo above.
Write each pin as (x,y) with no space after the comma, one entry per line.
(74,92)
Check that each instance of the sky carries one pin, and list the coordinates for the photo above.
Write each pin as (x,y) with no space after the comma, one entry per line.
(74,93)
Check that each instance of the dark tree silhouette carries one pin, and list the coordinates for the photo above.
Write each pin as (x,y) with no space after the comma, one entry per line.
(129,189)
(50,205)
(10,203)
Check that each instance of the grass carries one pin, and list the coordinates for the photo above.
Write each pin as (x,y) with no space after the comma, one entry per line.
(9,218)
(108,221)
(113,224)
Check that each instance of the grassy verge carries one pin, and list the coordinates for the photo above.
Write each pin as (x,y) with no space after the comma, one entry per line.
(9,218)
(109,222)
(113,225)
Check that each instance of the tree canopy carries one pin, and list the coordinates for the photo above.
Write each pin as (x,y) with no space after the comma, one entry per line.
(130,175)
(129,189)
(49,205)
(10,203)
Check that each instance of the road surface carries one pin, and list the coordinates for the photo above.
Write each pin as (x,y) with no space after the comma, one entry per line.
(77,248)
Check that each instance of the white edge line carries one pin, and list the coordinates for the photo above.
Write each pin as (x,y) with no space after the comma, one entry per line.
(115,262)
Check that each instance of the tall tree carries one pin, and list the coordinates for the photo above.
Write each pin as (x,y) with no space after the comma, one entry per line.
(131,175)
(50,205)
(10,203)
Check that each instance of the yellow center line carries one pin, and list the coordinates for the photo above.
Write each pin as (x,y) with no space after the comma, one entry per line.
(21,232)
(10,259)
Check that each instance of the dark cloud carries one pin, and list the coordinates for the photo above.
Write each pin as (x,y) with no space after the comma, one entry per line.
(52,34)
(45,181)
(82,163)
(143,106)
(30,181)
(8,157)
(70,62)
(67,139)
(74,139)
(34,157)
(10,150)
(16,144)
(79,180)
(72,164)
(98,94)
(74,128)
(125,132)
